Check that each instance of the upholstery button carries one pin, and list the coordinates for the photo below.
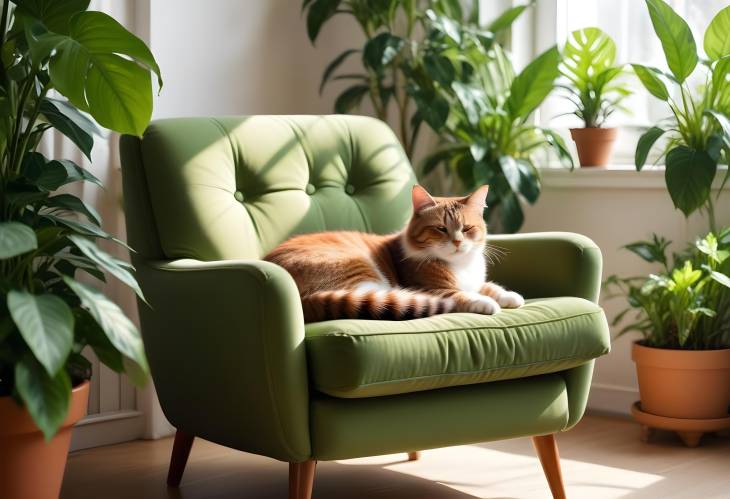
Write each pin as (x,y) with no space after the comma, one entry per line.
(310,189)
(350,189)
(239,196)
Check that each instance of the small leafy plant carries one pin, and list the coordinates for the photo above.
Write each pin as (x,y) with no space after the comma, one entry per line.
(47,314)
(698,132)
(687,304)
(589,66)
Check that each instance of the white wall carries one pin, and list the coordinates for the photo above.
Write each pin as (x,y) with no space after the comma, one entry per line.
(231,57)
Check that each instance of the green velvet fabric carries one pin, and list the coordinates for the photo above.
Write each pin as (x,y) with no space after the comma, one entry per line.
(345,428)
(205,198)
(355,358)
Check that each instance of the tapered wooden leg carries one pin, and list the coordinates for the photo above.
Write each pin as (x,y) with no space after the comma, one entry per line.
(690,438)
(547,450)
(178,460)
(301,479)
(414,456)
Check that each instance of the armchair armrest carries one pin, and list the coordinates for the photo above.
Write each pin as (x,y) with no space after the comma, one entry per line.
(225,341)
(544,264)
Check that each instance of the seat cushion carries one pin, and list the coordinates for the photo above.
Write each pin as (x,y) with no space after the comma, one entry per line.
(365,358)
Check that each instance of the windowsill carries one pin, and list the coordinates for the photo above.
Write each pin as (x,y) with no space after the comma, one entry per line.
(612,177)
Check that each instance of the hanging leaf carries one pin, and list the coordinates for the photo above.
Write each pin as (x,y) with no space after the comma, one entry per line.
(350,98)
(118,328)
(689,175)
(15,239)
(646,141)
(319,12)
(72,203)
(70,122)
(717,35)
(46,324)
(332,67)
(676,37)
(533,84)
(45,397)
(650,79)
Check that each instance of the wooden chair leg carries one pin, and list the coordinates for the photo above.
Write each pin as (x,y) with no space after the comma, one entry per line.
(547,450)
(301,479)
(414,456)
(178,460)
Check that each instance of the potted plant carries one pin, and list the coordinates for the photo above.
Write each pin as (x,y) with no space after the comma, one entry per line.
(442,68)
(683,315)
(698,131)
(589,66)
(48,313)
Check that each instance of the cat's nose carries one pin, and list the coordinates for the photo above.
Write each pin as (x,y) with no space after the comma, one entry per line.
(456,243)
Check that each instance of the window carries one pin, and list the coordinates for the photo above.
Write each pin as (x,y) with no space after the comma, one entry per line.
(629,24)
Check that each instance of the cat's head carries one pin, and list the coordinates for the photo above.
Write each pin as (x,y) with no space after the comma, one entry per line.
(446,228)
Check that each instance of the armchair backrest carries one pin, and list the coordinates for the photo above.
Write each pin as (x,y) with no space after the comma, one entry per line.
(235,187)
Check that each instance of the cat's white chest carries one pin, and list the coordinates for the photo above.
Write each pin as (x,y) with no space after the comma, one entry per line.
(470,272)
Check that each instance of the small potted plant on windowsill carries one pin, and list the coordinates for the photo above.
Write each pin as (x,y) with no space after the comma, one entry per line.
(48,315)
(594,89)
(683,315)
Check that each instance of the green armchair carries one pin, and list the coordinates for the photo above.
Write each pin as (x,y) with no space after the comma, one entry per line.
(233,360)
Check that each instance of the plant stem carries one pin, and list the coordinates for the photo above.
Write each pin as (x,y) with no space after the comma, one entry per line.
(711,214)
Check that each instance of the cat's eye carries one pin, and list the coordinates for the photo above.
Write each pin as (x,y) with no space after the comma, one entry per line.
(441,228)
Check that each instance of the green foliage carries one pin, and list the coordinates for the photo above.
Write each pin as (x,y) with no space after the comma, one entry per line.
(698,132)
(434,64)
(46,316)
(684,305)
(588,65)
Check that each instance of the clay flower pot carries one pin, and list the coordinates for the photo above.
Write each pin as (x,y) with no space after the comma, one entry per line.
(32,467)
(683,390)
(594,145)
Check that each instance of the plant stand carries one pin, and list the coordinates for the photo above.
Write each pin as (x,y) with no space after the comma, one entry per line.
(689,430)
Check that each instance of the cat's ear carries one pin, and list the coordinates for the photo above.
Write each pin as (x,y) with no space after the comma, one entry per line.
(421,199)
(478,198)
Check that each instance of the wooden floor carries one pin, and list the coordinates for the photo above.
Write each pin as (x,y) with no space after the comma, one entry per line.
(602,458)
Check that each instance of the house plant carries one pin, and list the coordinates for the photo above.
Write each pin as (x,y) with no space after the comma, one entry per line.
(592,86)
(446,71)
(683,315)
(47,239)
(698,131)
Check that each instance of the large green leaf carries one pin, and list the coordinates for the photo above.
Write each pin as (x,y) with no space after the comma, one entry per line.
(717,35)
(46,397)
(381,50)
(511,215)
(676,38)
(533,84)
(115,267)
(70,122)
(89,331)
(54,14)
(121,332)
(104,69)
(587,52)
(15,239)
(507,18)
(319,12)
(46,324)
(45,175)
(689,175)
(649,77)
(646,141)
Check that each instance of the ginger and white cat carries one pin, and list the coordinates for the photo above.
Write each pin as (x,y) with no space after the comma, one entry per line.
(435,265)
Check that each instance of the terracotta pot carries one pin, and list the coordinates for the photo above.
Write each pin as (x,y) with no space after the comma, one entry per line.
(32,467)
(594,145)
(688,384)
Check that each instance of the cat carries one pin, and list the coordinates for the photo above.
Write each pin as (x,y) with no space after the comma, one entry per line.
(435,265)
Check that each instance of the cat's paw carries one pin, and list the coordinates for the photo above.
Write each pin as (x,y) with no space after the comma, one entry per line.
(482,305)
(510,299)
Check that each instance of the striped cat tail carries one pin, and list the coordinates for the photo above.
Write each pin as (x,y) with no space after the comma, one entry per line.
(394,304)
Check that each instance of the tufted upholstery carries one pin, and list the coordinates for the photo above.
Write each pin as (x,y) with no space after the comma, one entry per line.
(235,187)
